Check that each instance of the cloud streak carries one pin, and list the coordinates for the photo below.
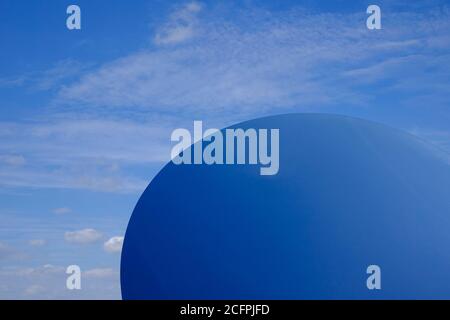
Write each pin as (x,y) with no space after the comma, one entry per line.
(37,242)
(286,60)
(84,236)
(81,153)
(48,282)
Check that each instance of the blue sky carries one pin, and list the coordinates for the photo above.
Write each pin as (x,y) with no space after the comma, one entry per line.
(86,115)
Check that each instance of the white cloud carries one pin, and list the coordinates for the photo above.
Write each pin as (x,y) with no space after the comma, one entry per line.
(37,242)
(181,25)
(47,269)
(61,71)
(48,282)
(100,273)
(48,79)
(84,236)
(113,245)
(285,61)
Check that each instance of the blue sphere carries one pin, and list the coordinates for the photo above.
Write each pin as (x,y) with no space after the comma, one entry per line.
(349,194)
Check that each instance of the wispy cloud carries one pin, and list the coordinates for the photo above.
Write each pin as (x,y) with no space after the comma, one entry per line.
(48,282)
(81,153)
(62,210)
(52,78)
(181,25)
(37,242)
(34,290)
(9,253)
(288,60)
(100,273)
(440,138)
(114,244)
(12,160)
(84,236)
